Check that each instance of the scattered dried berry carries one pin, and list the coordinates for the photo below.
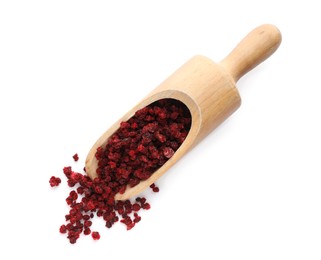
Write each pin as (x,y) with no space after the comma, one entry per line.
(54,181)
(63,229)
(136,218)
(146,206)
(87,231)
(133,153)
(155,189)
(95,235)
(76,158)
(136,207)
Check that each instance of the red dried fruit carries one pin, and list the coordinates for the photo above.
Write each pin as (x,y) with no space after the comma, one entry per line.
(160,137)
(130,225)
(87,231)
(91,205)
(134,125)
(126,220)
(76,157)
(67,171)
(71,183)
(87,223)
(137,219)
(138,199)
(73,195)
(133,153)
(136,207)
(124,125)
(80,190)
(54,181)
(109,224)
(98,189)
(142,200)
(168,152)
(155,189)
(145,136)
(133,182)
(122,189)
(86,217)
(62,229)
(95,235)
(146,206)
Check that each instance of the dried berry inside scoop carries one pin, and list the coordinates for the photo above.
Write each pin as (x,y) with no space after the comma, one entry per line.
(144,143)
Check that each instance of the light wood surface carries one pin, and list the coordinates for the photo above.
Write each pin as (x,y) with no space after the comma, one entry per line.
(257,46)
(208,90)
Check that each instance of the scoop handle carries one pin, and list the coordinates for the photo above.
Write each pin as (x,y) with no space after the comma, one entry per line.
(257,46)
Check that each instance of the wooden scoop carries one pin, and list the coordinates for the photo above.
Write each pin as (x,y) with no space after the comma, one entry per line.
(207,89)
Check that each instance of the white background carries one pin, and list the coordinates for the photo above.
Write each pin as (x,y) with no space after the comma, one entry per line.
(69,69)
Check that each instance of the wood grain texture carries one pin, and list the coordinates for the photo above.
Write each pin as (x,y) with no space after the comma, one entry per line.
(207,89)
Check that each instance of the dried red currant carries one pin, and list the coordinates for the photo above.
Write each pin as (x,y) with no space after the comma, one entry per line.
(133,153)
(54,181)
(95,235)
(63,229)
(76,158)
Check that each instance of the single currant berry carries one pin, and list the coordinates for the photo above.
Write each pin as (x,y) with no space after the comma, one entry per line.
(95,235)
(146,206)
(63,229)
(76,157)
(87,231)
(136,207)
(152,185)
(168,152)
(54,181)
(137,219)
(155,189)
